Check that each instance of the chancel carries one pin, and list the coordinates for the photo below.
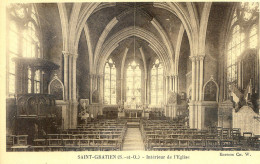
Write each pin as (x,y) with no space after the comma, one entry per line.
(122,76)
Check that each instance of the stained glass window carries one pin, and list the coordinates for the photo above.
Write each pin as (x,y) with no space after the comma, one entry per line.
(23,41)
(157,83)
(37,82)
(236,46)
(30,41)
(13,52)
(253,37)
(29,80)
(133,83)
(110,83)
(242,36)
(248,10)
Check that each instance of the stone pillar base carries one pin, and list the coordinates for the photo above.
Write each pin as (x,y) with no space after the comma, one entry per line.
(203,114)
(258,105)
(191,115)
(73,114)
(65,113)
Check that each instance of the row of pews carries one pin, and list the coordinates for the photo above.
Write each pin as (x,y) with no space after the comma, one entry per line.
(102,135)
(166,135)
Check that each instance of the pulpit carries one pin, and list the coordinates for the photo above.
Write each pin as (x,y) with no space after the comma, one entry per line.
(36,109)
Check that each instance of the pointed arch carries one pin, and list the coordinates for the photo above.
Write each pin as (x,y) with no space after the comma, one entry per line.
(203,27)
(64,25)
(194,21)
(56,78)
(74,17)
(165,38)
(216,84)
(177,49)
(82,19)
(144,61)
(90,52)
(128,32)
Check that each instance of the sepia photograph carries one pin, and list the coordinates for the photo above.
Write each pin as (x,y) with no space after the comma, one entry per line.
(132,76)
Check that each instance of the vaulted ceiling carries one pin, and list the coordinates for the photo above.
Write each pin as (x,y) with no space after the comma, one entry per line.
(159,29)
(142,15)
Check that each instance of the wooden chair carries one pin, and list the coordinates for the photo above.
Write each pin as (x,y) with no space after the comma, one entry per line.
(10,141)
(22,140)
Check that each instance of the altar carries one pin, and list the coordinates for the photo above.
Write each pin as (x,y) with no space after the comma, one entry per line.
(133,113)
(131,110)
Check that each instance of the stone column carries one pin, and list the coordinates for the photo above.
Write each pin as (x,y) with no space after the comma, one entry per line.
(148,90)
(65,54)
(70,77)
(98,83)
(196,109)
(197,78)
(167,84)
(176,83)
(101,89)
(193,98)
(122,88)
(193,95)
(166,88)
(90,88)
(145,90)
(171,84)
(200,116)
(165,93)
(74,73)
(201,58)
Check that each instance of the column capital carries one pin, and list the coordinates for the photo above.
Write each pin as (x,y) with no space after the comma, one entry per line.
(193,58)
(65,53)
(201,57)
(91,75)
(75,55)
(100,75)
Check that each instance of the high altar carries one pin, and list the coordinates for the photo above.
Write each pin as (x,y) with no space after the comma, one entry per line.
(131,109)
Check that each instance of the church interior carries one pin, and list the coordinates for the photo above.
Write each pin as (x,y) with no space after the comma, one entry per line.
(132,76)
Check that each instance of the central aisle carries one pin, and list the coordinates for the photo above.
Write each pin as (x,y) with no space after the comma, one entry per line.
(133,140)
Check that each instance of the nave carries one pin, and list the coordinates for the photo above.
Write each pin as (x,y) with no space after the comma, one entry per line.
(123,76)
(149,135)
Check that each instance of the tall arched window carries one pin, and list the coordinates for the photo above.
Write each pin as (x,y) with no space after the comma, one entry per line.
(13,51)
(253,36)
(236,46)
(133,83)
(23,41)
(157,83)
(110,83)
(243,36)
